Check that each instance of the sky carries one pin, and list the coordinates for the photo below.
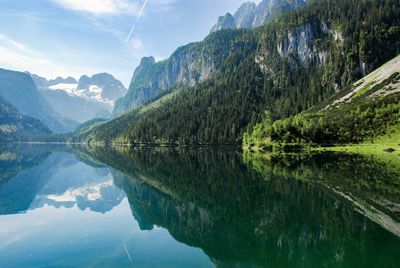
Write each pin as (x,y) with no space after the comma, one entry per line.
(75,37)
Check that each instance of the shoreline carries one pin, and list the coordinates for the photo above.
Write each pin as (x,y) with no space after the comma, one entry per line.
(365,148)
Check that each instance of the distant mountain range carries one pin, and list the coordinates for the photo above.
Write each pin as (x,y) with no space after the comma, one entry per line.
(32,106)
(82,100)
(20,91)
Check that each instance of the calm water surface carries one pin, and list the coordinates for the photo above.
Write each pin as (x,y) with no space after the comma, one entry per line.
(80,207)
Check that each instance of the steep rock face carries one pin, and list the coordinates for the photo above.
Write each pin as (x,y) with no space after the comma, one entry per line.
(224,22)
(195,62)
(188,65)
(299,44)
(244,16)
(112,89)
(267,9)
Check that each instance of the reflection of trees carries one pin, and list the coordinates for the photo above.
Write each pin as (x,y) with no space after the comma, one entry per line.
(366,179)
(13,161)
(21,177)
(212,200)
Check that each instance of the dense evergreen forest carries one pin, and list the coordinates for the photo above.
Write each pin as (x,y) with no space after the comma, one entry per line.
(299,60)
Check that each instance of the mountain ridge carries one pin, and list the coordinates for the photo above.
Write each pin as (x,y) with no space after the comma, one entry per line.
(187,66)
(250,16)
(82,100)
(295,62)
(19,90)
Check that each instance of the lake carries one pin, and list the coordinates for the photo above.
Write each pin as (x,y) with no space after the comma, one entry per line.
(158,207)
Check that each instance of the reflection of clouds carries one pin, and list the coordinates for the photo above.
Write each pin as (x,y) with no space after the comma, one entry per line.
(100,7)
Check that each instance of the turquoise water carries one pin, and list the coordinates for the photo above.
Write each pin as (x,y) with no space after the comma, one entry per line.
(79,207)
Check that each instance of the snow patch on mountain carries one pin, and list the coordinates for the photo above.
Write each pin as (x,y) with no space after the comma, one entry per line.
(69,88)
(94,92)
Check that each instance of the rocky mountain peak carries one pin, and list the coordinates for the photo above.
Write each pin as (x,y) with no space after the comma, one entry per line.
(244,16)
(147,61)
(249,15)
(60,80)
(109,87)
(225,22)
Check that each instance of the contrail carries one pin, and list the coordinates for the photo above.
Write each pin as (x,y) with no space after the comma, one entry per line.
(127,253)
(137,19)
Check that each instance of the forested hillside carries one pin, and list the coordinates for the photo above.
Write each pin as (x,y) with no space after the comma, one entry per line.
(368,110)
(298,60)
(15,126)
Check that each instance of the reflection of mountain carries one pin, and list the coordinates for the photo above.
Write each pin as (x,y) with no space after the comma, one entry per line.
(211,200)
(57,179)
(78,184)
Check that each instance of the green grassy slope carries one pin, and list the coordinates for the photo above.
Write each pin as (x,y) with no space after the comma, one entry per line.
(367,113)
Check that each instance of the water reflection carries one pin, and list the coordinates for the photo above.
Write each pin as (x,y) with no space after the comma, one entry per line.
(325,210)
(276,216)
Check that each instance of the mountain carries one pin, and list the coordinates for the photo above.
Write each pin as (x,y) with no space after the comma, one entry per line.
(187,66)
(299,60)
(225,22)
(105,85)
(15,126)
(367,111)
(81,100)
(19,90)
(250,15)
(42,82)
(245,15)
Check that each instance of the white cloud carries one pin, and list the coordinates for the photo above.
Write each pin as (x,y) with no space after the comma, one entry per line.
(113,7)
(100,7)
(18,56)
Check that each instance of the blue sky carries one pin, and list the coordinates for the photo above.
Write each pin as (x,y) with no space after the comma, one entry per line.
(75,37)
